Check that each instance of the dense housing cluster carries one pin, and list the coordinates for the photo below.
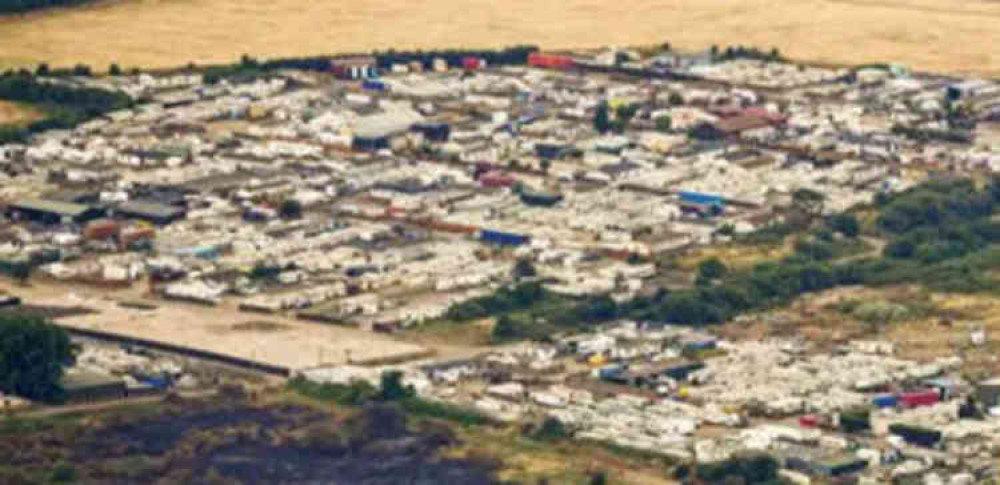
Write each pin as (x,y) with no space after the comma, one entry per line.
(385,193)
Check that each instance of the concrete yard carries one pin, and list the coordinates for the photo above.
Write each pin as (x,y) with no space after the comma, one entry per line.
(265,339)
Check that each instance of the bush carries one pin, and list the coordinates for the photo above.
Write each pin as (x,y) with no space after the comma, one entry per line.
(711,268)
(290,209)
(750,467)
(846,224)
(551,429)
(63,473)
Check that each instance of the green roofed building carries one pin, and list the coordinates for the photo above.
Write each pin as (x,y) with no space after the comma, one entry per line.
(52,212)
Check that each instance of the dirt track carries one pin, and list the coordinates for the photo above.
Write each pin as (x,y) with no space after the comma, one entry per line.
(961,37)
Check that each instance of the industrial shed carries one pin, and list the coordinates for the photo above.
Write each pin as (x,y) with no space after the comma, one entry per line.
(52,212)
(377,132)
(152,212)
(84,386)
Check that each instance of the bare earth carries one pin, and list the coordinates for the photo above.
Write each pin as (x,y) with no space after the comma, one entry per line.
(955,36)
(268,339)
(16,114)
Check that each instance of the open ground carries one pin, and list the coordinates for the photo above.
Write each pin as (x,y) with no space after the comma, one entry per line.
(923,34)
(17,114)
(267,339)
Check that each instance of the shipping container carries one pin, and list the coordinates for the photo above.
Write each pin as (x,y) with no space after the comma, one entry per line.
(503,238)
(373,85)
(101,229)
(808,421)
(885,401)
(497,179)
(550,61)
(451,227)
(924,397)
(472,63)
(916,435)
(541,199)
(700,198)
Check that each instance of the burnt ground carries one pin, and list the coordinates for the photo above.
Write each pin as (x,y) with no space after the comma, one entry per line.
(233,442)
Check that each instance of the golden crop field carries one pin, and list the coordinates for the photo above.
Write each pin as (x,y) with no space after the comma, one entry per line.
(958,36)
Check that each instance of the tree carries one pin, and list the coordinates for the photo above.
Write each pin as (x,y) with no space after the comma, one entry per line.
(550,430)
(21,272)
(599,478)
(115,70)
(504,329)
(33,353)
(290,209)
(664,123)
(524,269)
(711,269)
(42,70)
(392,388)
(602,122)
(545,164)
(81,70)
(808,201)
(675,99)
(846,224)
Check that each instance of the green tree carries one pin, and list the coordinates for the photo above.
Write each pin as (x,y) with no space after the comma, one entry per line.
(505,329)
(115,70)
(675,99)
(711,269)
(664,123)
(63,473)
(524,269)
(545,164)
(392,388)
(42,70)
(290,209)
(81,70)
(602,121)
(846,224)
(550,430)
(33,353)
(808,201)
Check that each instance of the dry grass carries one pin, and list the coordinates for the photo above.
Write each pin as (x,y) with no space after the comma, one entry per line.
(18,114)
(527,461)
(736,255)
(940,324)
(957,37)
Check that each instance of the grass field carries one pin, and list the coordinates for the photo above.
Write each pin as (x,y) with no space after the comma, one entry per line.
(17,114)
(957,37)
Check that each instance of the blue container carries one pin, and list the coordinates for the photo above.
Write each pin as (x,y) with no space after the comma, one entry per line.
(700,198)
(885,401)
(503,238)
(700,345)
(373,85)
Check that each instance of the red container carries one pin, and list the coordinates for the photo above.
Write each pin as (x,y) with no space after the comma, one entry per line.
(808,421)
(550,61)
(451,227)
(134,234)
(472,63)
(497,179)
(101,229)
(924,397)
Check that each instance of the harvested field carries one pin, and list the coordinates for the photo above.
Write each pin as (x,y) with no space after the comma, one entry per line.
(957,37)
(17,114)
